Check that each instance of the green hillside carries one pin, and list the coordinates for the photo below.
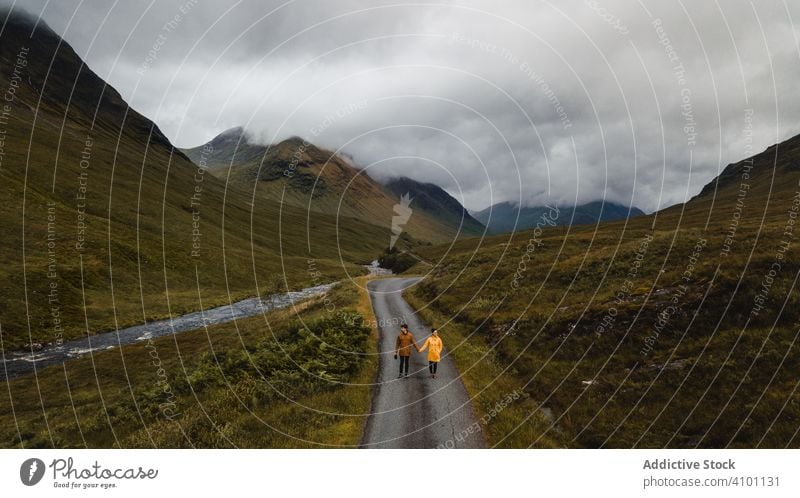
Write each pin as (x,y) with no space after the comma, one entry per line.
(298,173)
(676,329)
(105,224)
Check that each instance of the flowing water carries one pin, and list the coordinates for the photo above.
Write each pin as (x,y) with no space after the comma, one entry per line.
(19,363)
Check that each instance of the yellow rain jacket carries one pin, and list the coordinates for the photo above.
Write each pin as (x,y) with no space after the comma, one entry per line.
(434,345)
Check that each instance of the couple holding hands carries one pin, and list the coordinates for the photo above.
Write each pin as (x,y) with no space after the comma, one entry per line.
(402,349)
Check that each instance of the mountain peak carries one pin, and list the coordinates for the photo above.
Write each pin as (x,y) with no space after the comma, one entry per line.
(435,200)
(49,71)
(232,137)
(239,138)
(17,18)
(295,140)
(235,132)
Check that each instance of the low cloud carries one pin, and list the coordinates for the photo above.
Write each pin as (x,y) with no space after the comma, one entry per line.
(529,102)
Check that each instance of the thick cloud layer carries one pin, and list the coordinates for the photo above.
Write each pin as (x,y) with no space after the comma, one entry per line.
(530,102)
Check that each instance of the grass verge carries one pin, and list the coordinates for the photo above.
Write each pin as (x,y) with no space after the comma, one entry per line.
(508,416)
(294,378)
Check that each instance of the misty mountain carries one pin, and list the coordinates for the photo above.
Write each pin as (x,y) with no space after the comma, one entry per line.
(97,207)
(502,217)
(435,201)
(297,172)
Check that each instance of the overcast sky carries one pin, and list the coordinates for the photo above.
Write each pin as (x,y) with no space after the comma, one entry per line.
(521,101)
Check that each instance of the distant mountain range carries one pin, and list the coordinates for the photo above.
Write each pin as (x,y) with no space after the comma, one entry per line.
(507,217)
(299,173)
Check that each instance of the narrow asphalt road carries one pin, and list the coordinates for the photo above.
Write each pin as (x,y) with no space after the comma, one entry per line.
(415,412)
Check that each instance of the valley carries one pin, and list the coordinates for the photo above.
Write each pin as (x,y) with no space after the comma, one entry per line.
(228,295)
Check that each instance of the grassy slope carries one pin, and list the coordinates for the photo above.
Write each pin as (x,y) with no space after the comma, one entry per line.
(137,260)
(320,181)
(711,375)
(92,402)
(136,264)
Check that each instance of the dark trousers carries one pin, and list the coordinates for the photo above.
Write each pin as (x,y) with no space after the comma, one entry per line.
(432,366)
(404,361)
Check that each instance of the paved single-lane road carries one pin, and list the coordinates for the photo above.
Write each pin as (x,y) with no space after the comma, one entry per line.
(417,411)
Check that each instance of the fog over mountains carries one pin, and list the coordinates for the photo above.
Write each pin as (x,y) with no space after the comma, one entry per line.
(508,217)
(562,104)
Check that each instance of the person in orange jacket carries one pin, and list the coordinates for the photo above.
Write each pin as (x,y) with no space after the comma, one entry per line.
(402,348)
(434,346)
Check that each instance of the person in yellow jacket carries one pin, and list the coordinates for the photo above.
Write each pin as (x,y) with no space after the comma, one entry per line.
(434,346)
